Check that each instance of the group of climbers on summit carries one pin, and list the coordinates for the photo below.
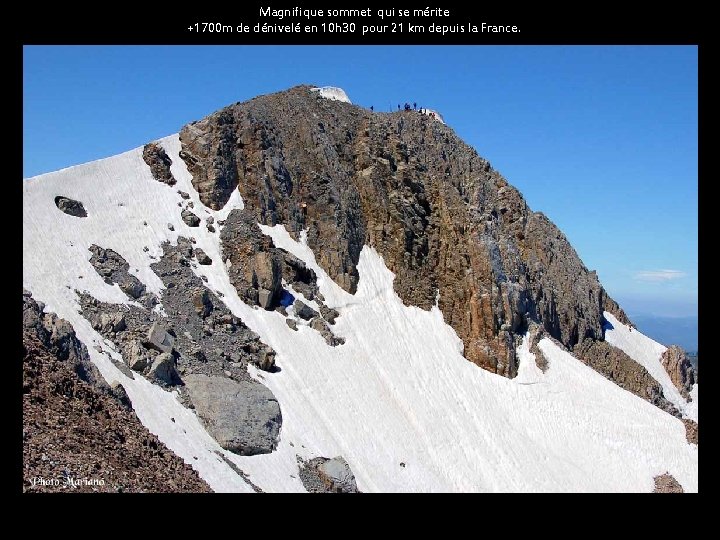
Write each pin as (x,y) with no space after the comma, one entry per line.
(407,107)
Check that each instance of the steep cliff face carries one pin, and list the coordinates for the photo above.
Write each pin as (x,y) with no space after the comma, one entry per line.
(449,226)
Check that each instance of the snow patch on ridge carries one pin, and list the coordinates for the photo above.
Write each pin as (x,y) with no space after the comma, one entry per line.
(333,93)
(436,115)
(647,353)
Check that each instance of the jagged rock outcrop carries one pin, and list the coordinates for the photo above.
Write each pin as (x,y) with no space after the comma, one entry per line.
(190,219)
(681,371)
(58,338)
(199,332)
(304,311)
(257,268)
(691,430)
(113,268)
(323,475)
(243,417)
(617,366)
(163,370)
(159,162)
(666,483)
(74,424)
(70,207)
(202,257)
(444,221)
(254,264)
(208,150)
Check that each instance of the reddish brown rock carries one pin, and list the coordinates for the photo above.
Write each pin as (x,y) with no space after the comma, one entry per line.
(159,162)
(681,371)
(691,430)
(444,221)
(666,483)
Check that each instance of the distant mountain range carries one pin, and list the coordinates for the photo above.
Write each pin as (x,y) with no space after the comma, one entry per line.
(681,331)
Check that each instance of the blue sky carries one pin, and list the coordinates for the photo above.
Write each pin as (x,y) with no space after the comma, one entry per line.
(601,139)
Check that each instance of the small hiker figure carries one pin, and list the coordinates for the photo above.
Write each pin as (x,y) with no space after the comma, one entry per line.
(372,108)
(303,209)
(415,105)
(398,106)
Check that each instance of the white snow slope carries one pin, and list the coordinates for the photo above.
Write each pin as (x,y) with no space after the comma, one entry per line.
(647,352)
(398,391)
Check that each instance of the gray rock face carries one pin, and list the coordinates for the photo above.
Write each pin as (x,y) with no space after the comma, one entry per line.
(243,417)
(112,322)
(202,257)
(266,360)
(253,262)
(190,219)
(323,475)
(304,311)
(319,325)
(70,207)
(265,299)
(213,184)
(163,369)
(302,278)
(159,339)
(202,303)
(136,356)
(159,162)
(328,314)
(113,268)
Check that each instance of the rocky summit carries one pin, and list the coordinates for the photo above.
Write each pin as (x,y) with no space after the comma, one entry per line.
(447,224)
(298,294)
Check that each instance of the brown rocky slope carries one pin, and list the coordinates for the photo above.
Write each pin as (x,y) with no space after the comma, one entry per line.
(80,435)
(444,221)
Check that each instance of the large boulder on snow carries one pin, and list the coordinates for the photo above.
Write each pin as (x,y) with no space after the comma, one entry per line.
(243,417)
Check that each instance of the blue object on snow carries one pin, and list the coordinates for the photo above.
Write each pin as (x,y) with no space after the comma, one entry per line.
(286,299)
